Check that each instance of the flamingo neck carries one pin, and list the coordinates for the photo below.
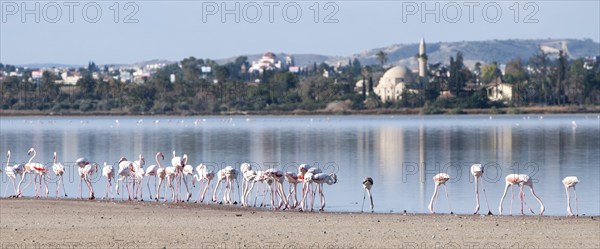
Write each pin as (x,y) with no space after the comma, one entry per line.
(31,159)
(158,162)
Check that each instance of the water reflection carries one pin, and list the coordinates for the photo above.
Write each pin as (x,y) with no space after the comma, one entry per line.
(402,154)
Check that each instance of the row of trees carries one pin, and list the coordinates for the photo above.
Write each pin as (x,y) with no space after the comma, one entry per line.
(539,80)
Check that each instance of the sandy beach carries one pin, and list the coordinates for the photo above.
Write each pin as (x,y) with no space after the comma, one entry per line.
(34,223)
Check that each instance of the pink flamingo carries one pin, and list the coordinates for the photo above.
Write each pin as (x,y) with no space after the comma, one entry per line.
(204,177)
(41,171)
(522,180)
(59,170)
(278,178)
(440,179)
(293,180)
(108,172)
(367,184)
(152,172)
(570,182)
(477,172)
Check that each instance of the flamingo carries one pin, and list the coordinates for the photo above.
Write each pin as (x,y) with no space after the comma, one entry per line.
(570,182)
(125,171)
(188,172)
(179,163)
(367,184)
(248,175)
(255,176)
(319,179)
(86,170)
(206,176)
(226,175)
(138,179)
(138,176)
(522,180)
(59,170)
(307,175)
(152,171)
(12,172)
(41,170)
(440,179)
(278,178)
(477,172)
(293,180)
(170,173)
(108,172)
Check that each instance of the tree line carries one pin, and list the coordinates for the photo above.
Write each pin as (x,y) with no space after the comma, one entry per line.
(539,80)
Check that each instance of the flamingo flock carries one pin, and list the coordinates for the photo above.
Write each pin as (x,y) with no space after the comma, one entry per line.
(132,175)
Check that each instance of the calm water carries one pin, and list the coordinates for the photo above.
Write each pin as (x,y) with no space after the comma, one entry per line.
(401,153)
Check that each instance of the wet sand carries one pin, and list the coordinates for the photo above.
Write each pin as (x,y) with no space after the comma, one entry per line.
(32,223)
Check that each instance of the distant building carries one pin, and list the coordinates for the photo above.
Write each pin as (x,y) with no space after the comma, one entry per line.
(70,77)
(398,79)
(268,62)
(499,91)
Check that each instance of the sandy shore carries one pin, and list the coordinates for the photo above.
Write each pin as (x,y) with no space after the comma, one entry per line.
(30,223)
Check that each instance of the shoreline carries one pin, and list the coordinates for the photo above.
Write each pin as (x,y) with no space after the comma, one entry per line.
(402,111)
(81,223)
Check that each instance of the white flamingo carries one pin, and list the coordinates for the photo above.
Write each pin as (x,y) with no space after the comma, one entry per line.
(477,172)
(307,175)
(138,177)
(247,173)
(319,179)
(170,173)
(522,180)
(125,172)
(86,172)
(12,172)
(226,175)
(108,172)
(204,177)
(570,182)
(440,179)
(367,184)
(59,170)
(179,163)
(152,171)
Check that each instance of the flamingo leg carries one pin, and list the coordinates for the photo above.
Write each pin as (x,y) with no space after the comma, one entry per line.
(485,196)
(447,198)
(433,198)
(363,203)
(320,186)
(538,199)
(576,205)
(569,212)
(476,195)
(371,198)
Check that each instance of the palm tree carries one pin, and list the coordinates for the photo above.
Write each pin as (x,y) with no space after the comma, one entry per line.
(381,57)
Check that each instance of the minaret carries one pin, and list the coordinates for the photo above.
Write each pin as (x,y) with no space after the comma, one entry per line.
(422,57)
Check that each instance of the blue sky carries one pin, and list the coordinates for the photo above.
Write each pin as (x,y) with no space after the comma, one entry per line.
(174,30)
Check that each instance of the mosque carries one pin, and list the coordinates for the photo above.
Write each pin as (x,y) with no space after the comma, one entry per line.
(399,78)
